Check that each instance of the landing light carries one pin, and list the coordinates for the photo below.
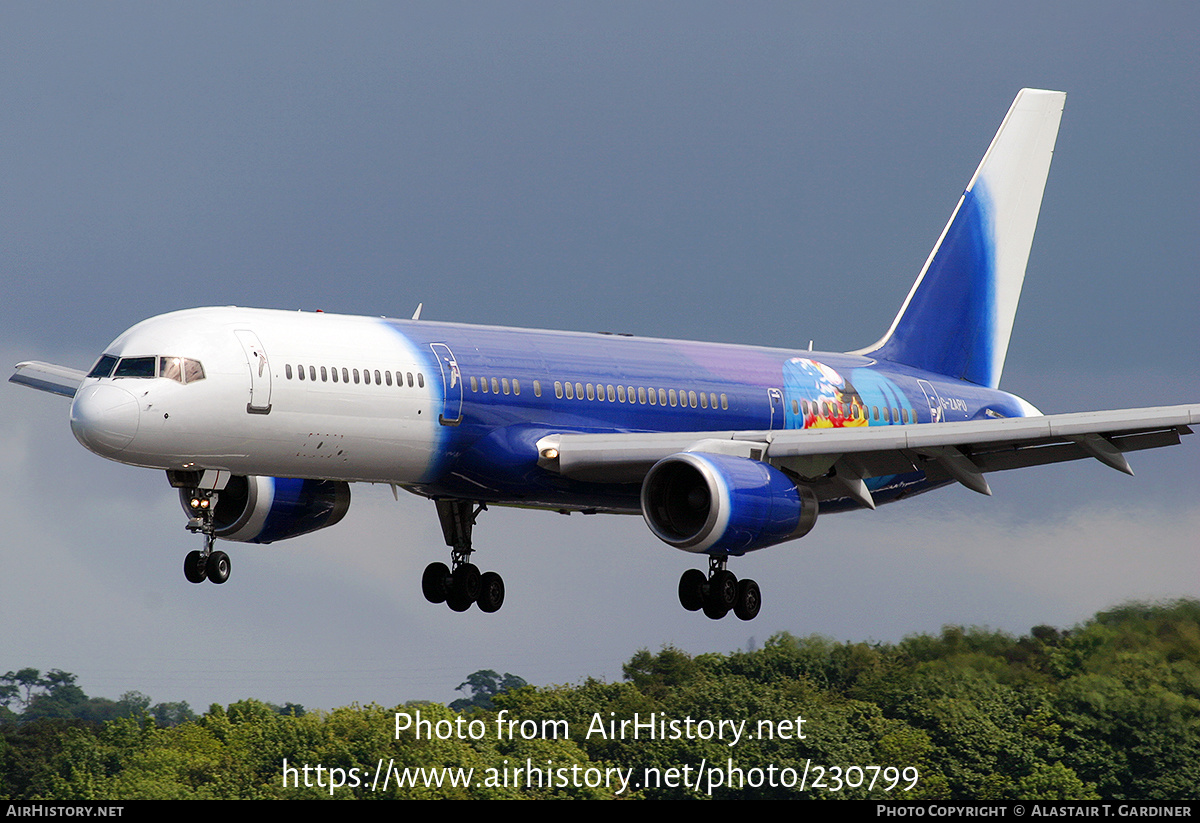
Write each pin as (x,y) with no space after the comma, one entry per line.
(550,453)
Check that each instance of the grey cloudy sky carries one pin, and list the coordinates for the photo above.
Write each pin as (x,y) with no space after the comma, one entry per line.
(766,173)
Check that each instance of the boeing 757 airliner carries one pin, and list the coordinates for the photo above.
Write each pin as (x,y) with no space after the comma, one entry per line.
(263,418)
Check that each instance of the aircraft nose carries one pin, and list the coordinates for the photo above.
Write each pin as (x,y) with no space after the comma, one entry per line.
(104,418)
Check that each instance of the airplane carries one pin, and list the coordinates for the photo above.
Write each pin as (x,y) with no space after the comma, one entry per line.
(262,419)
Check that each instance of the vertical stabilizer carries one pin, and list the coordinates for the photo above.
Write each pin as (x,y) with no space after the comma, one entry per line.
(958,317)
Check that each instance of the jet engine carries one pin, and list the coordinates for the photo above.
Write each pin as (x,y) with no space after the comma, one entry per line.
(266,509)
(720,504)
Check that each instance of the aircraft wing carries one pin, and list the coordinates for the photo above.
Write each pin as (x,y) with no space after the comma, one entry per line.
(836,461)
(48,377)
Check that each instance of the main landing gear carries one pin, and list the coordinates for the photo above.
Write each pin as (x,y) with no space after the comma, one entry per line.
(719,592)
(461,584)
(205,564)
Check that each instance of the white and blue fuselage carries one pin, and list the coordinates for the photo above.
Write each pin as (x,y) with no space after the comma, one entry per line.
(450,410)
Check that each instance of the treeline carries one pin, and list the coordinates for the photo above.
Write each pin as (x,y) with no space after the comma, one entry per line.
(1108,710)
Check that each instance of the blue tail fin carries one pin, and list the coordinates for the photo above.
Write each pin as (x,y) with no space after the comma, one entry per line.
(958,317)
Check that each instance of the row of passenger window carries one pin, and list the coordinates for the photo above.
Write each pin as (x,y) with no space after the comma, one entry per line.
(640,395)
(502,384)
(345,375)
(179,369)
(856,412)
(597,391)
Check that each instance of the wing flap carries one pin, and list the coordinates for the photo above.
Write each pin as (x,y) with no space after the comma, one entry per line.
(48,377)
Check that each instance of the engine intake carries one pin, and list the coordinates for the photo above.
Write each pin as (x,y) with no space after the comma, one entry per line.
(719,504)
(266,509)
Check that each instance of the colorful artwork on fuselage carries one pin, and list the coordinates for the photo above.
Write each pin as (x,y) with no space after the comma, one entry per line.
(817,396)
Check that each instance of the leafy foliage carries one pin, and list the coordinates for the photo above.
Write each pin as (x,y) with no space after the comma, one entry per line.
(1109,709)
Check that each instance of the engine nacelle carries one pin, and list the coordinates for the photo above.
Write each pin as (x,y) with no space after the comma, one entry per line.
(719,504)
(266,509)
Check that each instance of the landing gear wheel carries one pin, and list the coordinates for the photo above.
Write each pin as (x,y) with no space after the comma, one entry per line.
(749,600)
(722,594)
(491,592)
(464,587)
(723,589)
(691,590)
(217,567)
(435,582)
(193,567)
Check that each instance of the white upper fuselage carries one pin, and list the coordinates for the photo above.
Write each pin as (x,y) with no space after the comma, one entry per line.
(262,423)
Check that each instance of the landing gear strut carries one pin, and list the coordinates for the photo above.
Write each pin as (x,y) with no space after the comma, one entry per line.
(461,584)
(199,565)
(720,592)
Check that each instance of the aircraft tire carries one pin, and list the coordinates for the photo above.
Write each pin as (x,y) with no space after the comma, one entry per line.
(691,590)
(749,600)
(723,589)
(456,603)
(491,592)
(715,611)
(464,586)
(434,582)
(218,567)
(193,567)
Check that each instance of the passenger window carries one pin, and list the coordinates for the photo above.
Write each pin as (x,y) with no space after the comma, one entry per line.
(591,392)
(324,375)
(420,380)
(495,386)
(504,384)
(516,386)
(387,377)
(558,389)
(724,401)
(312,373)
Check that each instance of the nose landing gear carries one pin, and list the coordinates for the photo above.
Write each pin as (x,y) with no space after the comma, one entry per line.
(205,564)
(720,592)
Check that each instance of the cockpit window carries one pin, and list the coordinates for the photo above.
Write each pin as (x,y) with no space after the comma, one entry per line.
(179,369)
(192,370)
(104,366)
(136,367)
(171,368)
